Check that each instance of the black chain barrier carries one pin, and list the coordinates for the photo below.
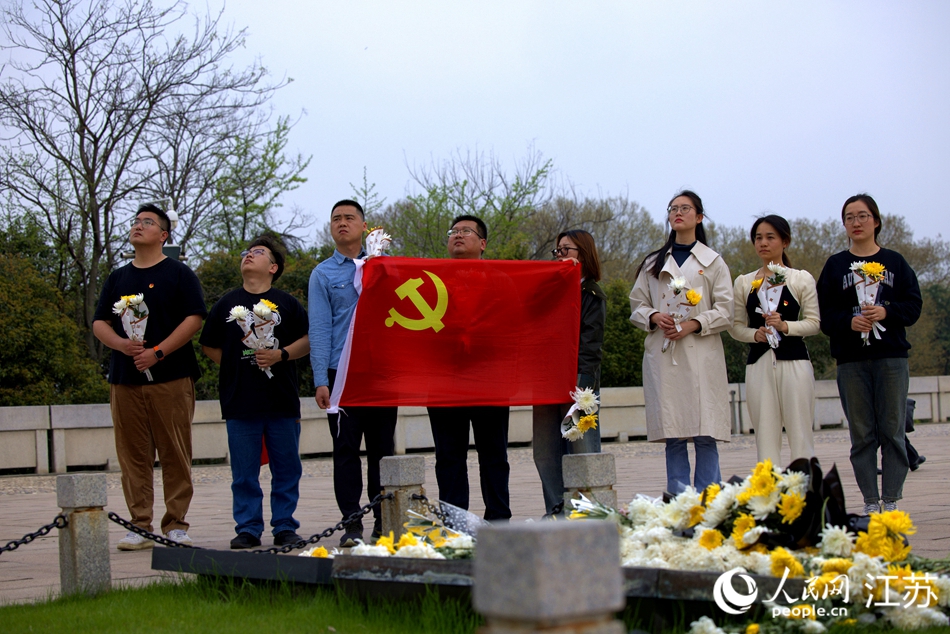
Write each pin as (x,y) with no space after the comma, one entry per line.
(159,539)
(276,550)
(430,507)
(313,539)
(60,521)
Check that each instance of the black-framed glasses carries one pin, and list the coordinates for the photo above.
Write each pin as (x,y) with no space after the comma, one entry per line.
(680,209)
(563,252)
(861,217)
(256,253)
(464,231)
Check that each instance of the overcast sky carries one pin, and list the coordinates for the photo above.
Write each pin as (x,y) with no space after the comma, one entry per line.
(787,107)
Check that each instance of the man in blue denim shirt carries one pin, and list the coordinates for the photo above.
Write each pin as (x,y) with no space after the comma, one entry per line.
(332,298)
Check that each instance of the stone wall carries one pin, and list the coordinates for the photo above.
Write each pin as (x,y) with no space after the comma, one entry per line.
(46,439)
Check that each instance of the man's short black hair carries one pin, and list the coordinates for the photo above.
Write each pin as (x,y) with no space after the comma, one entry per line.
(349,203)
(163,222)
(482,229)
(276,250)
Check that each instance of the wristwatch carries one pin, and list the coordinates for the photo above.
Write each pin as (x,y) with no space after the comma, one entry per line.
(158,353)
(284,355)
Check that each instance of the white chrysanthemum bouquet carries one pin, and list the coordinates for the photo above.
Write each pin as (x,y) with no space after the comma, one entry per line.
(258,326)
(679,302)
(581,416)
(133,312)
(769,294)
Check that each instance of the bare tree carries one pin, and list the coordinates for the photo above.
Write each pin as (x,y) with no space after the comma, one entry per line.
(90,94)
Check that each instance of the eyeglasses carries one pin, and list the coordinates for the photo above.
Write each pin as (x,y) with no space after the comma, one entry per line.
(563,252)
(681,209)
(257,252)
(861,217)
(463,231)
(145,222)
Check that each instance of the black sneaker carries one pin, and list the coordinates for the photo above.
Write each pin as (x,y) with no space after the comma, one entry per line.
(920,460)
(352,533)
(244,540)
(287,538)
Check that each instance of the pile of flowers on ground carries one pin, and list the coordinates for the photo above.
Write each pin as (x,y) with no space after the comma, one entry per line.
(777,523)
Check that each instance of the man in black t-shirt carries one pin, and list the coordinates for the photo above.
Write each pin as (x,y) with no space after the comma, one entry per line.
(253,333)
(152,373)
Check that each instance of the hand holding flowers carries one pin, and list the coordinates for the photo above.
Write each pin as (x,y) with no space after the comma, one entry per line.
(769,292)
(575,425)
(679,304)
(133,312)
(868,277)
(258,325)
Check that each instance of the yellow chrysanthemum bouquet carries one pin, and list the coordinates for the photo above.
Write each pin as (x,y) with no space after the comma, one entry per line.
(867,284)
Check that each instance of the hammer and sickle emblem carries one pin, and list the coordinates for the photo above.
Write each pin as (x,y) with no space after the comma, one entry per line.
(431,317)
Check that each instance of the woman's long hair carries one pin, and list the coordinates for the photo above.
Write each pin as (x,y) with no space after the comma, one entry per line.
(660,253)
(586,252)
(781,227)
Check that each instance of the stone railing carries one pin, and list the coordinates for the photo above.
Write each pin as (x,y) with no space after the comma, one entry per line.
(55,438)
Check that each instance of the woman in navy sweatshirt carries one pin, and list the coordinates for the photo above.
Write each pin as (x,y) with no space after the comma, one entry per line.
(865,311)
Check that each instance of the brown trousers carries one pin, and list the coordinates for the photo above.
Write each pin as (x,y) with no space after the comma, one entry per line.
(154,417)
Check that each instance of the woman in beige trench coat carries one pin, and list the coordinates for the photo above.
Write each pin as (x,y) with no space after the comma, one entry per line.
(685,387)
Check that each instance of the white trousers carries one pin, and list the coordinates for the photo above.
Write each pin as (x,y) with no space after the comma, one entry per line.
(781,395)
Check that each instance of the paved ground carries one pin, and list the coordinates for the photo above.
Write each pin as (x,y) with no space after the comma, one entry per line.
(28,502)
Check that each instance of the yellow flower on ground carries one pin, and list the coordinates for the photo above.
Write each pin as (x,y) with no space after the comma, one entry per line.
(587,422)
(577,515)
(693,297)
(744,523)
(897,522)
(320,552)
(782,559)
(386,541)
(711,538)
(711,492)
(756,284)
(696,515)
(829,584)
(790,507)
(848,622)
(752,628)
(407,539)
(838,565)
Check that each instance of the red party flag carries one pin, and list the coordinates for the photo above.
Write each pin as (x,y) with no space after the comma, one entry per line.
(461,332)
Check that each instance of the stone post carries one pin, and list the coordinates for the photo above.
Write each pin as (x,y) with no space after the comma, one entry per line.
(403,476)
(84,543)
(593,474)
(550,577)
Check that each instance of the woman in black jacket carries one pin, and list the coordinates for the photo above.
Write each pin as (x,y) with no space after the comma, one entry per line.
(868,296)
(549,446)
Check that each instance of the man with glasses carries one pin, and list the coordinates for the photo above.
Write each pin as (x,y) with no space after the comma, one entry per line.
(332,297)
(258,391)
(153,381)
(450,425)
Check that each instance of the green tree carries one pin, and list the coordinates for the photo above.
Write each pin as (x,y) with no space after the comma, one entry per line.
(622,364)
(255,175)
(472,184)
(89,89)
(42,359)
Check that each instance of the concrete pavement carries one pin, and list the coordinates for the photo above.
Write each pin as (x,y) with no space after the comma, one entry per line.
(28,502)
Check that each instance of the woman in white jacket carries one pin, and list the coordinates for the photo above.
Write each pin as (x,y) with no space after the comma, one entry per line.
(685,388)
(780,382)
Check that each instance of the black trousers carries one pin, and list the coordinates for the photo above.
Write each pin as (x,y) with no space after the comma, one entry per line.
(450,427)
(378,426)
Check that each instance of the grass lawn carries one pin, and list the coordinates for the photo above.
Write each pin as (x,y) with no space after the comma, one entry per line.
(204,605)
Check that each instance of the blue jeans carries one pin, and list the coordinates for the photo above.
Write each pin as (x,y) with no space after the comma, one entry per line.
(874,397)
(549,448)
(677,463)
(283,449)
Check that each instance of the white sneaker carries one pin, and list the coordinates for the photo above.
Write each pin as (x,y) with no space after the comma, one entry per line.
(134,541)
(178,535)
(890,506)
(872,507)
